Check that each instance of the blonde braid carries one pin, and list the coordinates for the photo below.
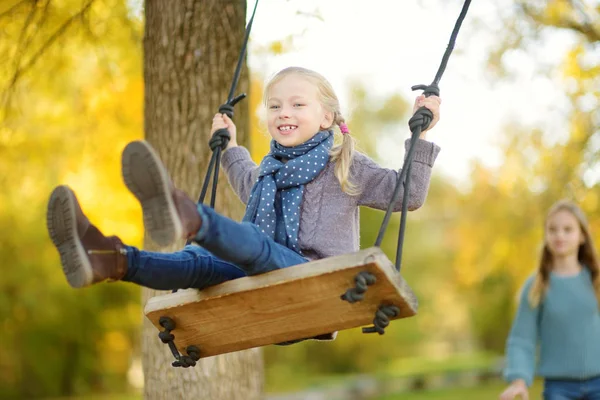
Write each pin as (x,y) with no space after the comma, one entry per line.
(342,157)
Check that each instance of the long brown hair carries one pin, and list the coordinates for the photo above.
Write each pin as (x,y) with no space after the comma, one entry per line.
(586,255)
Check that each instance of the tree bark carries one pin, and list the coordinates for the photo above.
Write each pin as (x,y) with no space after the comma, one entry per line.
(191,49)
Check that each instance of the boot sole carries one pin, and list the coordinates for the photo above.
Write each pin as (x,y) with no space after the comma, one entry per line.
(62,227)
(148,180)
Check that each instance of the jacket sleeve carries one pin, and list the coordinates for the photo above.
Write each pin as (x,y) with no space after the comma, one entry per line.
(241,171)
(376,184)
(521,344)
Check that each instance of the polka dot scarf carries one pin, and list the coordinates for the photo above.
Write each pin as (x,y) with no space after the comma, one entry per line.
(275,199)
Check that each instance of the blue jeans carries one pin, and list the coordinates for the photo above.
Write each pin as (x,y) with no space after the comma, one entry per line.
(228,250)
(559,389)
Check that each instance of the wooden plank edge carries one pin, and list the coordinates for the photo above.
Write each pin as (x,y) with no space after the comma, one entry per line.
(249,283)
(312,269)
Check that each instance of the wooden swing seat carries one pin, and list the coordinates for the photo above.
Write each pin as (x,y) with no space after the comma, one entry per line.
(293,303)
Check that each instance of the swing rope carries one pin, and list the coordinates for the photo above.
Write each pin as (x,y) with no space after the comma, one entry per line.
(221,137)
(217,143)
(417,123)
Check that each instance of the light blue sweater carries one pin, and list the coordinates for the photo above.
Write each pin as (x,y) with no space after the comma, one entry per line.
(567,331)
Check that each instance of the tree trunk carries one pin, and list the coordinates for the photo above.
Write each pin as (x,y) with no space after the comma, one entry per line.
(190,52)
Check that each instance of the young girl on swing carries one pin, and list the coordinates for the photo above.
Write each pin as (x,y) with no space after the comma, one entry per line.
(302,200)
(558,310)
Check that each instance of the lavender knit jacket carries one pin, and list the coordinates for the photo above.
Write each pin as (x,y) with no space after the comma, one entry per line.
(329,218)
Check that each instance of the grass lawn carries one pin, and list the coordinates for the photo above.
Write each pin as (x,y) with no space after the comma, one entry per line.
(132,396)
(484,392)
(491,391)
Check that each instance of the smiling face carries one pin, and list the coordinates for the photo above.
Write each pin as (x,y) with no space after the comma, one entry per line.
(294,112)
(563,234)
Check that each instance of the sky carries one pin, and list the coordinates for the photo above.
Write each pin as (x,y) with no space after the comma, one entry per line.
(391,45)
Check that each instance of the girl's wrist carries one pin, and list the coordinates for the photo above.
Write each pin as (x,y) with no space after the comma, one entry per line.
(519,382)
(231,144)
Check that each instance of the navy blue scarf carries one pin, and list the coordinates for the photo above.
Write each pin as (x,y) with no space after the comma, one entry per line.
(275,199)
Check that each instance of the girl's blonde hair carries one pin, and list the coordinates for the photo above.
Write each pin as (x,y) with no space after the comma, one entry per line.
(341,155)
(586,255)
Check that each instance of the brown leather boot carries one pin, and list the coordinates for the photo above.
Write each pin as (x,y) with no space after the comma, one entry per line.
(86,255)
(169,214)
